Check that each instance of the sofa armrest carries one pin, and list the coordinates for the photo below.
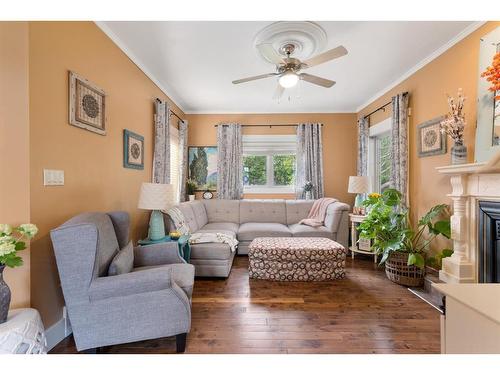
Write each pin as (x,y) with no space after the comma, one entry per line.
(157,254)
(127,284)
(334,214)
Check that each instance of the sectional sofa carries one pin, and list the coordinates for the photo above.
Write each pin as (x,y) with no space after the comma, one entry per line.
(250,218)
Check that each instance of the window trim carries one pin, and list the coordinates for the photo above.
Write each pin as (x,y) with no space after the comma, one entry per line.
(269,145)
(375,131)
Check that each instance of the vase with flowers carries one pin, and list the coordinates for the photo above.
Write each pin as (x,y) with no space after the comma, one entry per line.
(453,125)
(308,187)
(11,241)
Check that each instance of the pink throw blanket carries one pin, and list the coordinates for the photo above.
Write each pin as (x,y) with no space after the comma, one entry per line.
(317,214)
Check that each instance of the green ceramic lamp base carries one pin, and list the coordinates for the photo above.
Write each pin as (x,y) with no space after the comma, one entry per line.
(156,226)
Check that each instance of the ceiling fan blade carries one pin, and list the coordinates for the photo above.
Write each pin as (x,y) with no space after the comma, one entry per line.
(326,56)
(316,80)
(279,92)
(267,50)
(248,79)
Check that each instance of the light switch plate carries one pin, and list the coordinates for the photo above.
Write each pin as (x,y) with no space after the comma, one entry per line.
(53,177)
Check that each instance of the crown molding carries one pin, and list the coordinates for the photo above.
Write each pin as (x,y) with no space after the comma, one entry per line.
(164,88)
(229,112)
(464,33)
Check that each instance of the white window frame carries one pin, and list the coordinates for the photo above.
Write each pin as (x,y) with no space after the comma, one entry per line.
(175,155)
(375,131)
(269,145)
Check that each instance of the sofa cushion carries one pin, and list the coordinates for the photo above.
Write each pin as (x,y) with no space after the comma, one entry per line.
(200,213)
(222,210)
(219,251)
(262,211)
(123,262)
(296,210)
(301,230)
(334,215)
(249,231)
(182,275)
(231,227)
(187,210)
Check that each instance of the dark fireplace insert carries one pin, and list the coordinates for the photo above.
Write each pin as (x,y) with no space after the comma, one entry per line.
(489,242)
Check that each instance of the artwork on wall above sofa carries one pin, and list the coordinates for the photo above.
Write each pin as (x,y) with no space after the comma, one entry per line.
(202,162)
(133,150)
(431,141)
(87,104)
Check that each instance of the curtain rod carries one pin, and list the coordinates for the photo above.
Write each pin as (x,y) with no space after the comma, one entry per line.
(382,107)
(171,112)
(264,125)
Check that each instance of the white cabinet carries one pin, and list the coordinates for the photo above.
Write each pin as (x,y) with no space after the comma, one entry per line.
(471,324)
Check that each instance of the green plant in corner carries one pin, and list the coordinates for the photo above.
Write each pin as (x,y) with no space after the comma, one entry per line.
(191,187)
(388,226)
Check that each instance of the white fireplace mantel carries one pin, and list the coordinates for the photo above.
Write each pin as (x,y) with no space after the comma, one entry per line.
(470,184)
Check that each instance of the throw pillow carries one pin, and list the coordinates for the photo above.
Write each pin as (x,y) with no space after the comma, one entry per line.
(123,262)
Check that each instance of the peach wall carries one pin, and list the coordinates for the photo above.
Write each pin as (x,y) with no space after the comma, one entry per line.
(14,147)
(457,67)
(95,178)
(339,142)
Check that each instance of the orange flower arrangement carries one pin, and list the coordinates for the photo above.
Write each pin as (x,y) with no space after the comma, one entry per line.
(493,75)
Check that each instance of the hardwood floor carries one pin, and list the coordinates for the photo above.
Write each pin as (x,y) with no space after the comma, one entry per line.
(364,313)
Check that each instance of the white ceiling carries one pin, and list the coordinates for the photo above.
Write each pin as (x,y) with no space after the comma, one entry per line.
(195,62)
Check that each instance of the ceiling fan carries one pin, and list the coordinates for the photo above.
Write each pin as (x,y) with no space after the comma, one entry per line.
(288,68)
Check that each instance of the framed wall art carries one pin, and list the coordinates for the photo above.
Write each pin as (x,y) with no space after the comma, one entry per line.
(430,139)
(202,167)
(87,104)
(133,150)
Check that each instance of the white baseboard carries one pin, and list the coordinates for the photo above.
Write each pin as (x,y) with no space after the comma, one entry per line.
(58,331)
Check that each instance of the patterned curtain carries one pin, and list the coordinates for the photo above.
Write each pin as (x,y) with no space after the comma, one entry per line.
(309,161)
(161,158)
(399,153)
(183,147)
(363,125)
(230,162)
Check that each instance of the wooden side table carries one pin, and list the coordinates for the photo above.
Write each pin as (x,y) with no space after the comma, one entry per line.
(354,248)
(23,333)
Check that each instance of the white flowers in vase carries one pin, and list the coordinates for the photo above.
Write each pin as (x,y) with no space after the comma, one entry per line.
(454,123)
(12,241)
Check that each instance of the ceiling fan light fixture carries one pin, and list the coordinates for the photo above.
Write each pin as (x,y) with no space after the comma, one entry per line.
(288,80)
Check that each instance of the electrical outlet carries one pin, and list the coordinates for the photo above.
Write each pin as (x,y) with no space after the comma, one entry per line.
(53,177)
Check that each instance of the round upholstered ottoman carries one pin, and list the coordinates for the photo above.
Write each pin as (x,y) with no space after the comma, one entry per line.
(296,259)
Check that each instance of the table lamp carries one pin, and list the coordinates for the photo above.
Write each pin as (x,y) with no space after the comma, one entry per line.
(156,197)
(358,185)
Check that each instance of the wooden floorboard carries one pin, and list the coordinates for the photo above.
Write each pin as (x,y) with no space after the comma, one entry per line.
(363,313)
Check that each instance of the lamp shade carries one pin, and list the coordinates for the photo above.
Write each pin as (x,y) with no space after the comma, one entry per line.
(156,196)
(358,184)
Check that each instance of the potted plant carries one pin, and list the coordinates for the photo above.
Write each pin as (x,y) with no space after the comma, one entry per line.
(401,246)
(11,241)
(308,187)
(190,189)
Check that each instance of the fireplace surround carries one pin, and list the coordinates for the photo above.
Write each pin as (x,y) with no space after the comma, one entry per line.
(474,187)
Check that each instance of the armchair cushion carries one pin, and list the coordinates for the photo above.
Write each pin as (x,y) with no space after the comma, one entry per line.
(127,284)
(157,254)
(123,262)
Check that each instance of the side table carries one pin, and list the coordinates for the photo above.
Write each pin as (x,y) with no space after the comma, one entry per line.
(354,248)
(23,333)
(182,242)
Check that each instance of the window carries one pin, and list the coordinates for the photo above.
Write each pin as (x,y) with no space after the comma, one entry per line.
(379,156)
(269,163)
(175,162)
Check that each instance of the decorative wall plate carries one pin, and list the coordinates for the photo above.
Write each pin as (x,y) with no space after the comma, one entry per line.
(87,104)
(430,139)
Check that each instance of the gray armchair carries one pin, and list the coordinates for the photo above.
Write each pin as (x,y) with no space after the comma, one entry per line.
(152,301)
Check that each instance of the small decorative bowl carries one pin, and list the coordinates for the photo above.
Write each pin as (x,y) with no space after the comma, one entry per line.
(175,236)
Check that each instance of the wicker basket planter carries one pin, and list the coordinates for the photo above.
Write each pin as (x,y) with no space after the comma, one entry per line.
(399,272)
